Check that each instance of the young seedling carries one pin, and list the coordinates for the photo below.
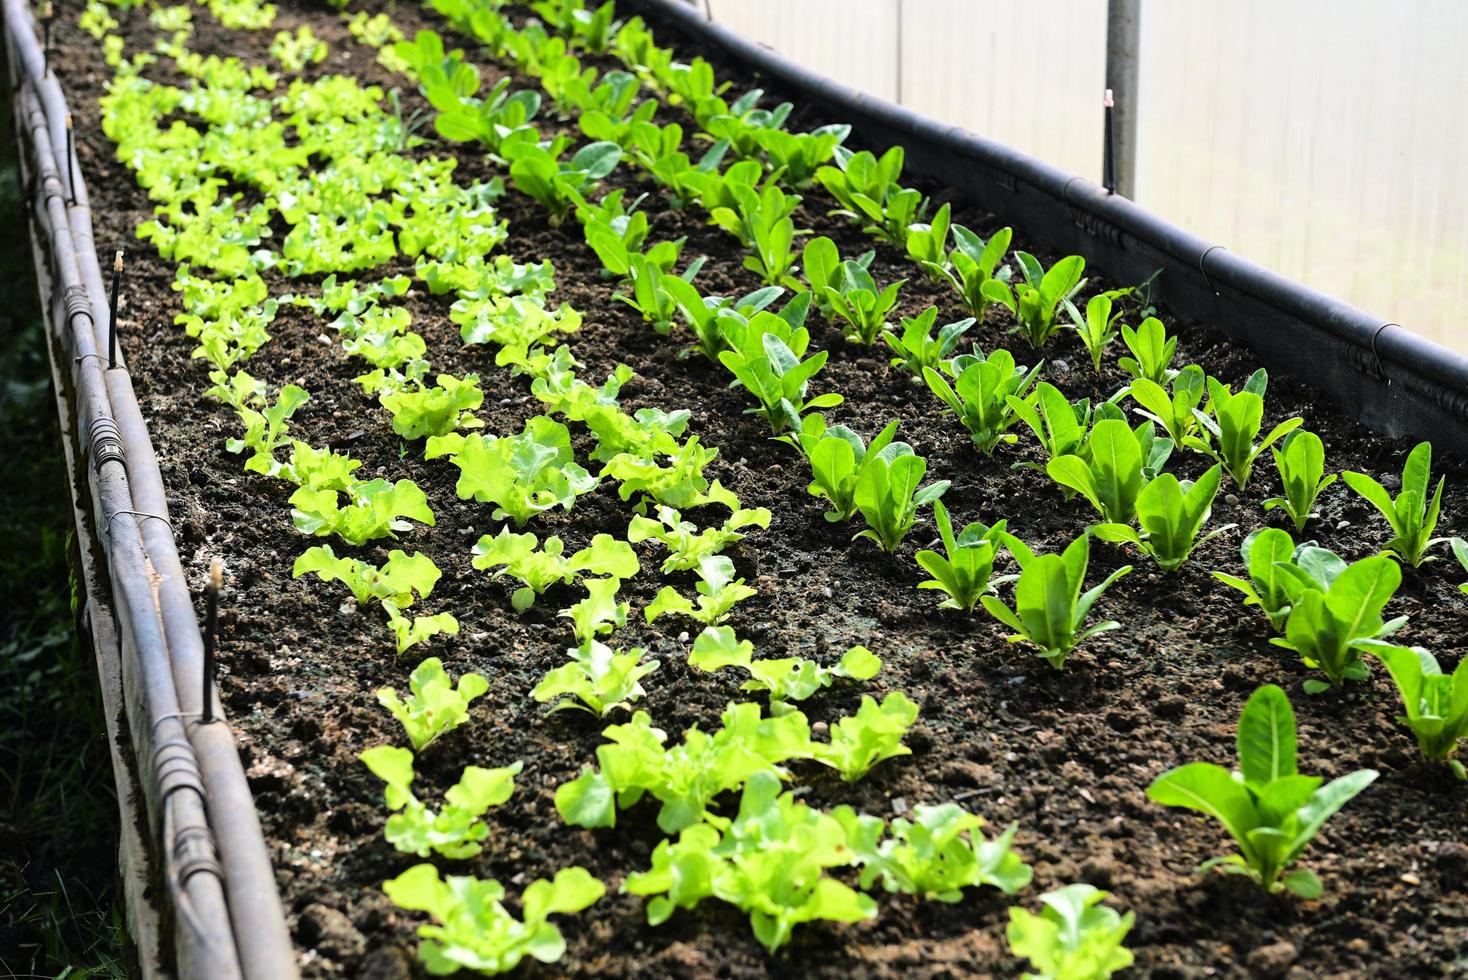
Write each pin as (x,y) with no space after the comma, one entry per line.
(435,705)
(1152,351)
(1300,460)
(1269,809)
(1327,626)
(824,269)
(1233,421)
(963,573)
(917,349)
(785,679)
(1171,513)
(455,832)
(856,299)
(1268,586)
(1049,609)
(889,495)
(1074,937)
(718,592)
(1097,328)
(872,735)
(1436,704)
(517,556)
(598,679)
(1460,552)
(837,457)
(1110,474)
(1174,410)
(935,853)
(1062,427)
(1412,515)
(980,394)
(1036,302)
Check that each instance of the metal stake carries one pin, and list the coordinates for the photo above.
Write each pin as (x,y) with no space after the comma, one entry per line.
(1108,146)
(112,315)
(211,626)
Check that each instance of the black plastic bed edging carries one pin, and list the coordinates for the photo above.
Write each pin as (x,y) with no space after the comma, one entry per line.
(1394,381)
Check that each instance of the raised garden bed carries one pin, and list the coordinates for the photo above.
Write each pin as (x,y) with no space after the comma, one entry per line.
(1067,755)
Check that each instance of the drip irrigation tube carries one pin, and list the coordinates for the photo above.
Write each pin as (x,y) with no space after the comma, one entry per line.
(205,836)
(1389,378)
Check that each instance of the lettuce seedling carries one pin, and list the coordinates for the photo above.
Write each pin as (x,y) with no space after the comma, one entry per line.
(769,861)
(399,578)
(599,613)
(435,411)
(794,157)
(1152,351)
(703,317)
(976,271)
(1074,937)
(917,349)
(687,544)
(1049,609)
(963,574)
(936,854)
(598,679)
(1460,552)
(410,632)
(1234,421)
(872,735)
(296,51)
(927,243)
(523,475)
(455,831)
(319,469)
(517,556)
(1327,627)
(889,494)
(434,706)
(856,299)
(980,393)
(1300,460)
(785,679)
(266,425)
(767,356)
(1110,474)
(1097,328)
(1036,302)
(1171,512)
(560,185)
(649,295)
(676,480)
(718,592)
(821,262)
(1412,515)
(1268,586)
(837,457)
(474,931)
(1061,426)
(1269,809)
(374,509)
(1436,703)
(687,777)
(761,221)
(1175,411)
(868,191)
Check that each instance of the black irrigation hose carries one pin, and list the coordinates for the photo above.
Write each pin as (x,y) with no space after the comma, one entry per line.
(153,598)
(1389,378)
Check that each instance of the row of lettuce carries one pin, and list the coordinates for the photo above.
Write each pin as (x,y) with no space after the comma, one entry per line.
(369,204)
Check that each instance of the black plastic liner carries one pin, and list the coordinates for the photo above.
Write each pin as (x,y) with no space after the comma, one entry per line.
(1393,380)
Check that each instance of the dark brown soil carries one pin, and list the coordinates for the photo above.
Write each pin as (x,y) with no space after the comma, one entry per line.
(1068,755)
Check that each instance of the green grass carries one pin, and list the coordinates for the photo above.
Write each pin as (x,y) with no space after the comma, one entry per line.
(59,909)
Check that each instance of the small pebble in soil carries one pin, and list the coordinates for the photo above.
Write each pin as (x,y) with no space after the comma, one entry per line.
(1408,878)
(819,728)
(899,805)
(1059,366)
(1343,525)
(683,637)
(1232,499)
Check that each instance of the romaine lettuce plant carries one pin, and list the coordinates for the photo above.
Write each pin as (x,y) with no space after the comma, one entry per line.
(1074,937)
(761,221)
(934,855)
(889,494)
(687,777)
(455,831)
(963,573)
(1269,809)
(1301,463)
(768,861)
(767,356)
(1436,704)
(855,298)
(1097,328)
(598,679)
(1170,512)
(868,191)
(916,347)
(927,243)
(1111,472)
(1268,586)
(434,706)
(980,393)
(1152,351)
(1412,515)
(718,592)
(821,262)
(1049,608)
(474,931)
(975,270)
(1327,626)
(1062,426)
(1036,302)
(837,457)
(794,157)
(1176,410)
(517,556)
(560,185)
(1234,421)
